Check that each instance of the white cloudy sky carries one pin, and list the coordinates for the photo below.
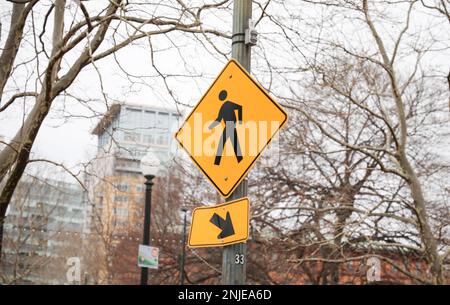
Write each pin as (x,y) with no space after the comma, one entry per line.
(69,141)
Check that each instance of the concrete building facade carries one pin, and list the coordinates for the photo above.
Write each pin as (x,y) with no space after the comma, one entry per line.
(116,185)
(42,230)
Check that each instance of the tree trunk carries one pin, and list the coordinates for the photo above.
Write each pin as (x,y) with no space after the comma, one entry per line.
(412,179)
(17,154)
(426,234)
(7,58)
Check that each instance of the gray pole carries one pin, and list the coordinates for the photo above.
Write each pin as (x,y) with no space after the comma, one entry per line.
(234,258)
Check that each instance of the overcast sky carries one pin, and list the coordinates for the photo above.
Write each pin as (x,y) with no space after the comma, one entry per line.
(70,141)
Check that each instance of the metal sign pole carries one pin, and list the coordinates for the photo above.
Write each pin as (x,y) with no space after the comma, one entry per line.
(234,260)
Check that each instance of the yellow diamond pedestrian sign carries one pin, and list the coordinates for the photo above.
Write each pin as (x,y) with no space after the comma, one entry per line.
(220,225)
(229,128)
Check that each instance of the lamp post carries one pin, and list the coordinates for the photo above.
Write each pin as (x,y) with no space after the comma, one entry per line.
(183,253)
(149,166)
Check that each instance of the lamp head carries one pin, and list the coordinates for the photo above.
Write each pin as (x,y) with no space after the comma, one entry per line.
(150,164)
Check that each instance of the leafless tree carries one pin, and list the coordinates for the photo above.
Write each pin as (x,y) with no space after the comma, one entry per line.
(82,34)
(366,109)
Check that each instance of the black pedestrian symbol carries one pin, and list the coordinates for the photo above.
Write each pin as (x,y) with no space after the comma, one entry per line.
(227,114)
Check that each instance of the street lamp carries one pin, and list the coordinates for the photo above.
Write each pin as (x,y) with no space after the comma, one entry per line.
(150,166)
(183,255)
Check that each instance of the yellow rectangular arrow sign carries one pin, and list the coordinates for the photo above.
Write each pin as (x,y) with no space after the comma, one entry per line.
(220,225)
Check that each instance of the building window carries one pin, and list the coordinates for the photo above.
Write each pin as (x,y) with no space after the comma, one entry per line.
(174,122)
(127,164)
(149,119)
(138,153)
(132,118)
(162,139)
(120,212)
(103,139)
(120,198)
(163,121)
(130,123)
(119,223)
(122,187)
(149,139)
(148,127)
(132,136)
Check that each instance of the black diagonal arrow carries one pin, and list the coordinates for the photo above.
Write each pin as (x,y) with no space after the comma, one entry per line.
(225,225)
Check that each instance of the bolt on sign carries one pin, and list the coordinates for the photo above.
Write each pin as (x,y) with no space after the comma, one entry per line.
(229,128)
(220,225)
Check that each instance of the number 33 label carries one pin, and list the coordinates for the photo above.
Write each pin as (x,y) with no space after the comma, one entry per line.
(239,259)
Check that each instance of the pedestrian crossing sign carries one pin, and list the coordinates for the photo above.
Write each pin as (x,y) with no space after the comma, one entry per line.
(228,129)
